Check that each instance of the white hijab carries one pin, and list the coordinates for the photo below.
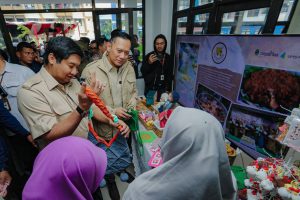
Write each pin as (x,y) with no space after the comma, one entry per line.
(195,164)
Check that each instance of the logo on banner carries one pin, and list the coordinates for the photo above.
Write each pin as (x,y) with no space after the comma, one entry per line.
(219,53)
(282,55)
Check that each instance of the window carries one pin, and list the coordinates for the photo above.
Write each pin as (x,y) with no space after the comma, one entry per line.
(285,7)
(47,6)
(183,4)
(202,2)
(29,6)
(44,6)
(131,3)
(112,4)
(108,23)
(286,10)
(253,13)
(278,29)
(201,23)
(181,25)
(244,22)
(75,25)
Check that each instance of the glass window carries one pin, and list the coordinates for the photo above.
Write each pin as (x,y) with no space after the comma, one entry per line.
(124,22)
(131,3)
(107,24)
(202,2)
(201,23)
(286,10)
(44,6)
(70,24)
(278,29)
(138,30)
(181,25)
(183,4)
(106,4)
(2,43)
(253,13)
(244,22)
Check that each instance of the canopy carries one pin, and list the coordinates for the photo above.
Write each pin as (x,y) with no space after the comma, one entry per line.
(18,29)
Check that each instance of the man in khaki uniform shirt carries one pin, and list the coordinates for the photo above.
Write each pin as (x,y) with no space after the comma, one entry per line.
(53,102)
(117,74)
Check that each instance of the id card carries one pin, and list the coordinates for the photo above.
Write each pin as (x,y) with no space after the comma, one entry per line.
(6,103)
(162,77)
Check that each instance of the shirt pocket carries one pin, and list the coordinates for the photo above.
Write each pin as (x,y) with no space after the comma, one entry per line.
(61,111)
(130,83)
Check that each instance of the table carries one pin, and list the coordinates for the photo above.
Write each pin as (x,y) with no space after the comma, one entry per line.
(140,162)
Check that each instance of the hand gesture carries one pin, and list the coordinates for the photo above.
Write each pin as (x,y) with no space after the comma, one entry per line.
(30,139)
(97,87)
(122,113)
(125,129)
(152,58)
(5,177)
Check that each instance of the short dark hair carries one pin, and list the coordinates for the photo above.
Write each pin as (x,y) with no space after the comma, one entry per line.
(118,33)
(22,45)
(4,55)
(100,41)
(85,40)
(62,48)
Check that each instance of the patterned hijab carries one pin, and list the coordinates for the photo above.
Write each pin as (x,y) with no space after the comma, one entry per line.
(68,168)
(195,164)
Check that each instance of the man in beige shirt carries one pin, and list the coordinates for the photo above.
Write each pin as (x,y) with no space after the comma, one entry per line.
(53,102)
(117,73)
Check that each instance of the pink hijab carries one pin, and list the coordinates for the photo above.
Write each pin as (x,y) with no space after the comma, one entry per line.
(68,168)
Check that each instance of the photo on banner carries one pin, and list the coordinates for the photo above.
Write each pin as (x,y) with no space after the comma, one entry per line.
(186,72)
(255,129)
(270,89)
(211,102)
(259,75)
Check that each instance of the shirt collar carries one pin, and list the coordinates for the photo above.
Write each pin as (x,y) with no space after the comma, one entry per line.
(50,81)
(107,64)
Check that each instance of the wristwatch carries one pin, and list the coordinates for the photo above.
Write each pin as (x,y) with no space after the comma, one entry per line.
(81,112)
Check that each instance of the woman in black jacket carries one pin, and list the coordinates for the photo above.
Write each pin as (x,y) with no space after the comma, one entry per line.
(157,69)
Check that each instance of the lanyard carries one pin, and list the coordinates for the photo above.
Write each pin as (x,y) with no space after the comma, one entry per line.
(2,77)
(162,62)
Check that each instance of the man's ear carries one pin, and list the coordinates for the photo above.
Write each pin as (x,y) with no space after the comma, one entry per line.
(108,47)
(18,54)
(51,58)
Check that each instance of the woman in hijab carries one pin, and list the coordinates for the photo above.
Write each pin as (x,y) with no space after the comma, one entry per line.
(68,168)
(195,162)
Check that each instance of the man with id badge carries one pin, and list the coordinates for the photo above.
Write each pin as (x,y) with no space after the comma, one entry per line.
(14,129)
(157,69)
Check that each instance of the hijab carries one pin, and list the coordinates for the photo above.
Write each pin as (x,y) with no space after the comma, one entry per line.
(195,164)
(68,168)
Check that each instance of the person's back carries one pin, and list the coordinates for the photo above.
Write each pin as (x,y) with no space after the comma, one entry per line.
(195,164)
(68,168)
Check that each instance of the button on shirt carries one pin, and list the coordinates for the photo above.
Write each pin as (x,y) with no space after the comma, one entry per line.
(43,102)
(12,78)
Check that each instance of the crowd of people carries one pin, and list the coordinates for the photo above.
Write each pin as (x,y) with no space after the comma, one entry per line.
(48,151)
